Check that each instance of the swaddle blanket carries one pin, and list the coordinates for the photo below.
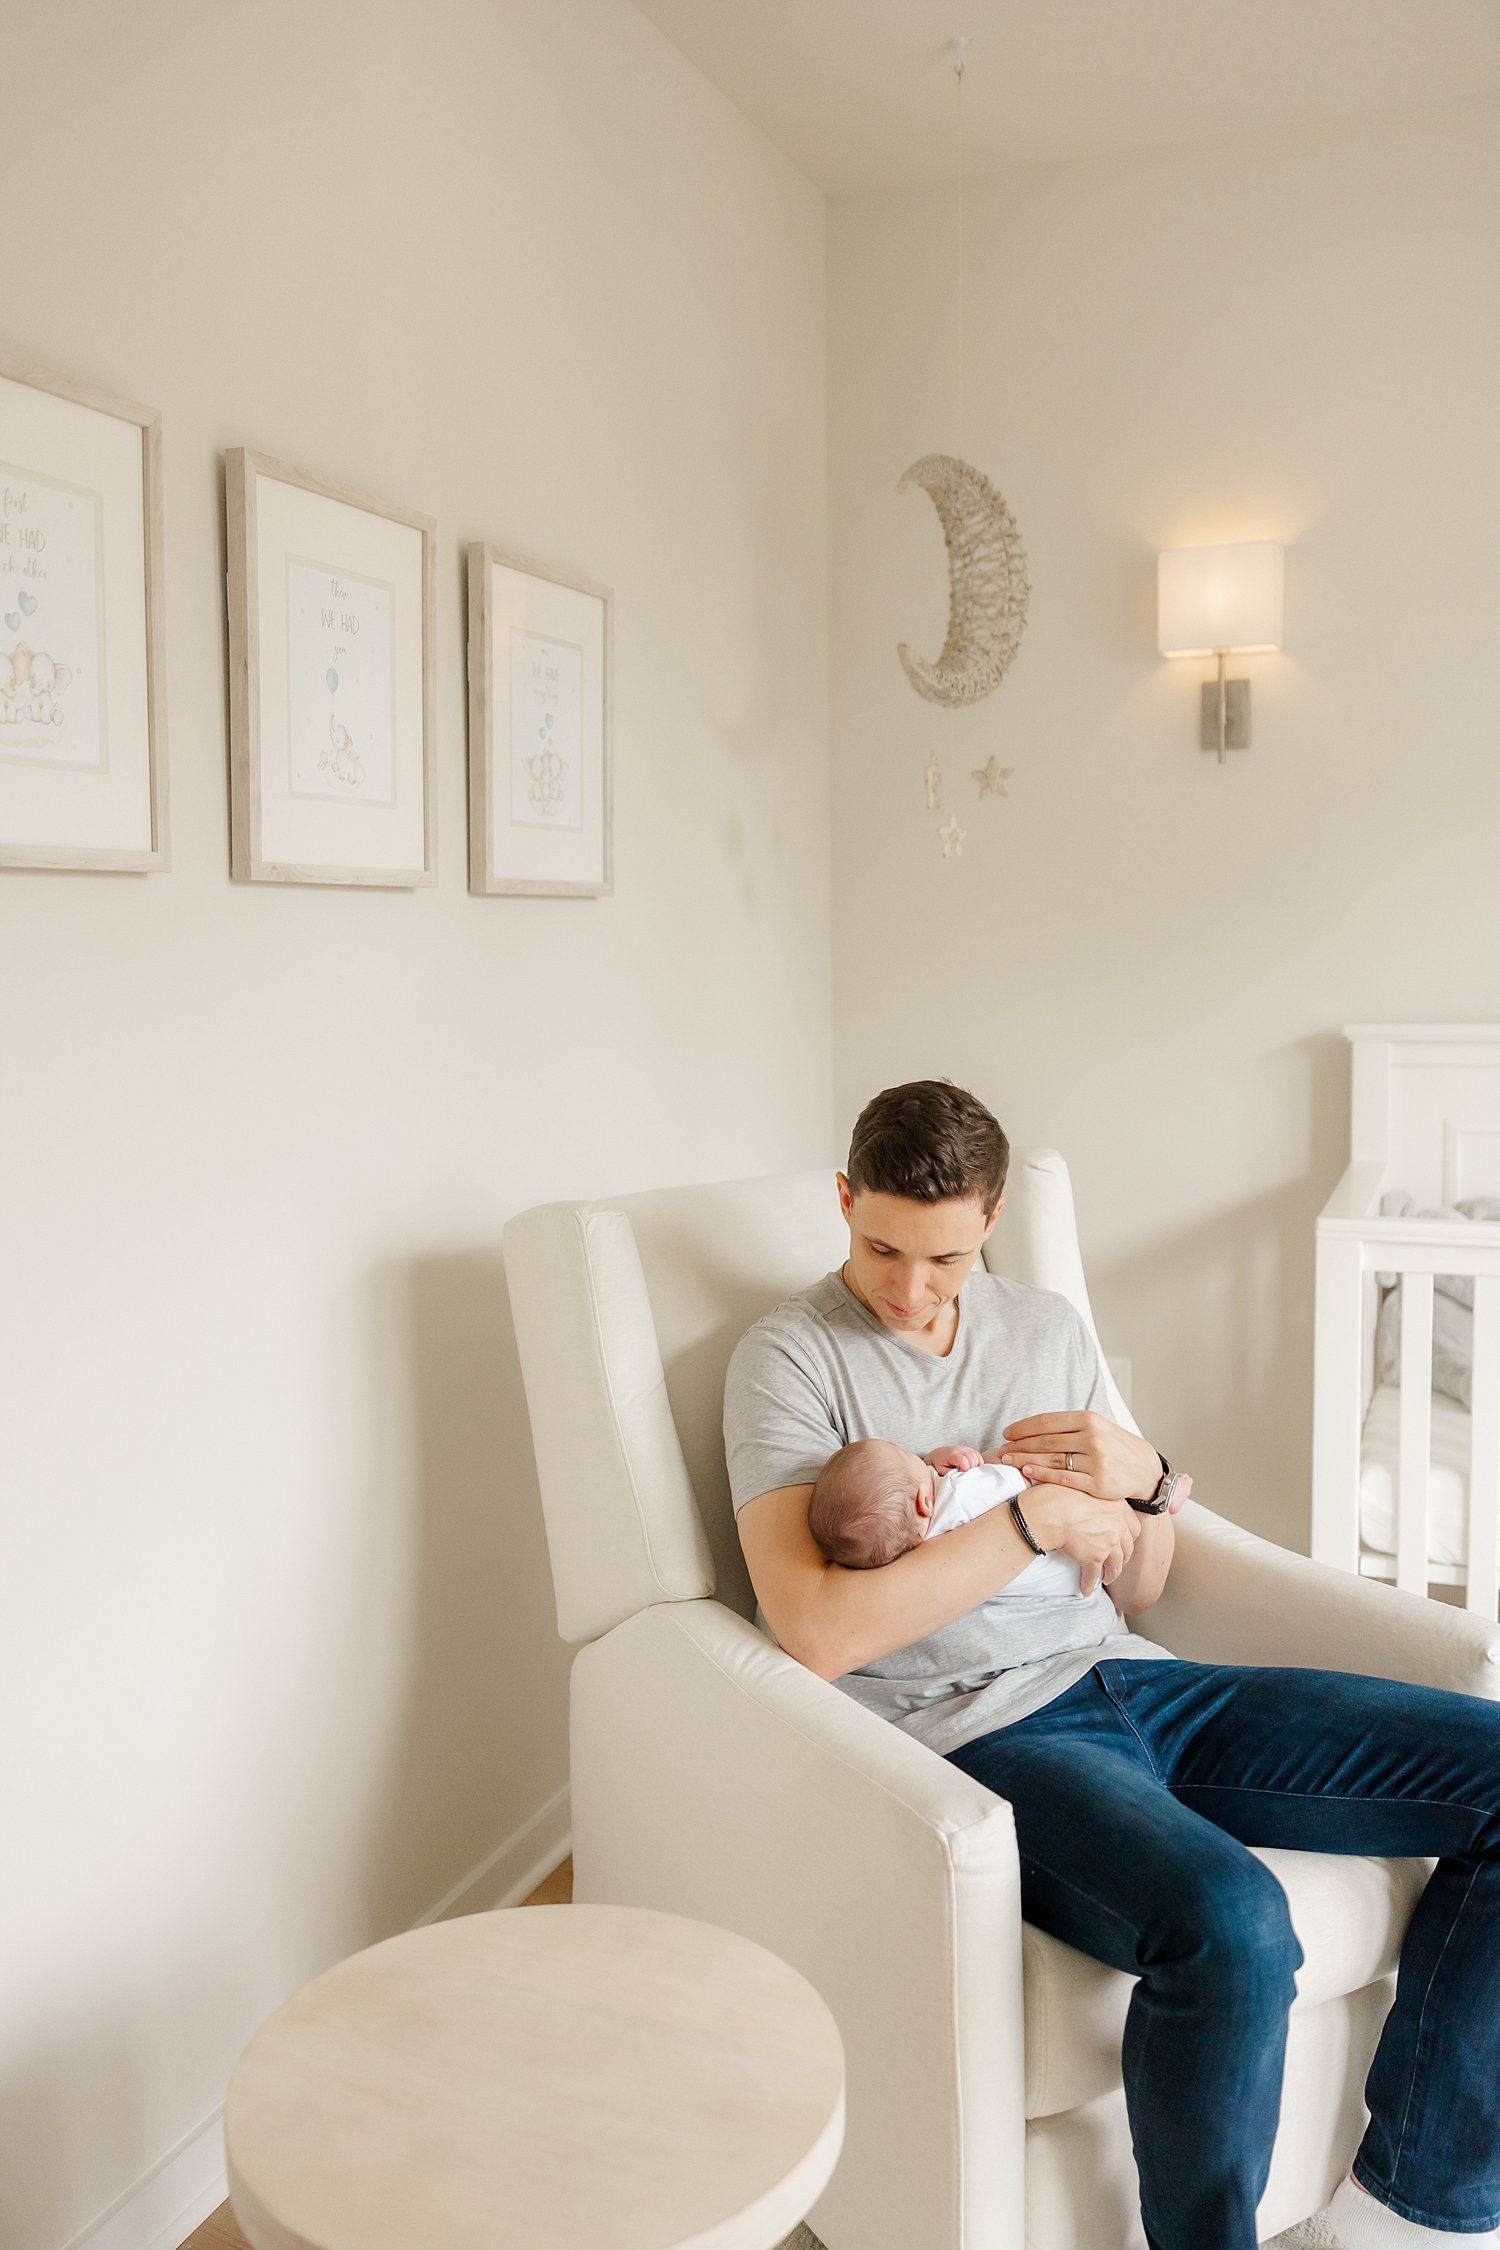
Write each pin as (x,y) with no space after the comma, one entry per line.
(1452,1304)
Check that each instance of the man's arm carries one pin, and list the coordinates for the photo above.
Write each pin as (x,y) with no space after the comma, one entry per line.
(1090,1453)
(835,1620)
(1141,1581)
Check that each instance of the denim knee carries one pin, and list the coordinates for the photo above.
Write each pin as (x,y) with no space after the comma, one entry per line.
(1486,1721)
(1234,1929)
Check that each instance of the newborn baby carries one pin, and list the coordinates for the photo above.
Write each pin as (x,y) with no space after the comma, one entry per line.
(874,1500)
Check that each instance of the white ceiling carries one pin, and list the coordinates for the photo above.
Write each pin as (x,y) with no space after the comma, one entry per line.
(860,93)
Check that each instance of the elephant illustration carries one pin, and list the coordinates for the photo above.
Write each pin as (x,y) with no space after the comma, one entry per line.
(31,687)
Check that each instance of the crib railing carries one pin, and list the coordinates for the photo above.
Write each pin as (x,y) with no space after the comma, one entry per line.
(1353,1246)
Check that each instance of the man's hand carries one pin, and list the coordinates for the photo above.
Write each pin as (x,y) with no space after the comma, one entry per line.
(1100,1535)
(945,1457)
(1086,1452)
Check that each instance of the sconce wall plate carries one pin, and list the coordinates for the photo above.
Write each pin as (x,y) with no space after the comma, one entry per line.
(1236,715)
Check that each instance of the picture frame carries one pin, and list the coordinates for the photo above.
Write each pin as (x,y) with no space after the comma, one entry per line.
(331,632)
(83,757)
(541,656)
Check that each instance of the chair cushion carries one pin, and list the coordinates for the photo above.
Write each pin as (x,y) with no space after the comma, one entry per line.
(1349,1916)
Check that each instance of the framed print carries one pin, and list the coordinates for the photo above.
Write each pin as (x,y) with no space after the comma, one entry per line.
(539,690)
(83,771)
(330,668)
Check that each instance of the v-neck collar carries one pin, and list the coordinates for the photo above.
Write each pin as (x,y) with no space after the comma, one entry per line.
(938,1359)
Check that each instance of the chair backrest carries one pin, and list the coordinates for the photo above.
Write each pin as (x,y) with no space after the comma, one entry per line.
(1037,1242)
(626,1314)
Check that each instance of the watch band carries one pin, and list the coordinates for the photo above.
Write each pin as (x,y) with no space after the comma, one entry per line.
(1161,1498)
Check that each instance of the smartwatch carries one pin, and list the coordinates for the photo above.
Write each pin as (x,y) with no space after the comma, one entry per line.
(1173,1482)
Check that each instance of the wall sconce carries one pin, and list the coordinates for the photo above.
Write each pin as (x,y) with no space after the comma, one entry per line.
(1220,601)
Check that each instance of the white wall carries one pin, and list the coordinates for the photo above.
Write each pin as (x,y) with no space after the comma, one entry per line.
(280,1662)
(1141,958)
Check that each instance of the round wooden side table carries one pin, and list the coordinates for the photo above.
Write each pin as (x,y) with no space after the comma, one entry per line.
(553,2077)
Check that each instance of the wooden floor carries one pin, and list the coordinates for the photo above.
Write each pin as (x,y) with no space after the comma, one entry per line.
(218,2231)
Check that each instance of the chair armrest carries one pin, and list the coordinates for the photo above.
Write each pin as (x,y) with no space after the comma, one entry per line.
(714,1777)
(1235,1599)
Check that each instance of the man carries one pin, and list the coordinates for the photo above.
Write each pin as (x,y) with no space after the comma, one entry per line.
(1138,1781)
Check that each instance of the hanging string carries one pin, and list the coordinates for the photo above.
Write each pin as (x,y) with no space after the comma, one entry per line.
(960,57)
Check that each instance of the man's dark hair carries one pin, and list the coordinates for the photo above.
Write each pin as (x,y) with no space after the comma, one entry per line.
(930,1142)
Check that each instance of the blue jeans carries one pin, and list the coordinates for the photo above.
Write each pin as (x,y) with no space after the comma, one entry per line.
(1135,1794)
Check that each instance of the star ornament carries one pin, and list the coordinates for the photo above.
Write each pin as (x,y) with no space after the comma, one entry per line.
(992,778)
(951,837)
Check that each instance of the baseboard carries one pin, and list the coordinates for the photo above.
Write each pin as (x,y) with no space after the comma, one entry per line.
(168,2201)
(513,1868)
(180,2189)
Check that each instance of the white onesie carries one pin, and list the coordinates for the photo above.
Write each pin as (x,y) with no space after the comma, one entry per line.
(963,1494)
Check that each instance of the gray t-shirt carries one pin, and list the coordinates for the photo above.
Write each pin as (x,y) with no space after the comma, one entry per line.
(820,1371)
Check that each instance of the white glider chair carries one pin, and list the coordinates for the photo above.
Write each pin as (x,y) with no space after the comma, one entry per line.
(714,1777)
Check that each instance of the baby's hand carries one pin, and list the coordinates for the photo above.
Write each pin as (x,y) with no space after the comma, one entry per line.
(945,1457)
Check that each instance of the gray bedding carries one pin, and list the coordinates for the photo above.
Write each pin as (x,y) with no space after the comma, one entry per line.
(1452,1305)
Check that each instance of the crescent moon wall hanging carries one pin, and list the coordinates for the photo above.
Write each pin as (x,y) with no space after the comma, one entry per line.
(989,584)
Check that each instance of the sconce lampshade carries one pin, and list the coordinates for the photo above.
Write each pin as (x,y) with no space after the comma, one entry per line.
(1213,598)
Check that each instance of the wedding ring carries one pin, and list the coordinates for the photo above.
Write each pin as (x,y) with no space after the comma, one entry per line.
(1068,1459)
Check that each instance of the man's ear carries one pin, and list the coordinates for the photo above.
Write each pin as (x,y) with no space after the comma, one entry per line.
(846,1195)
(994,1215)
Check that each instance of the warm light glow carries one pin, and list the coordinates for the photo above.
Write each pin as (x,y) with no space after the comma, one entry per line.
(1212,598)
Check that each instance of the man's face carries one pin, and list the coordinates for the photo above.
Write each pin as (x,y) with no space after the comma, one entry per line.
(908,1261)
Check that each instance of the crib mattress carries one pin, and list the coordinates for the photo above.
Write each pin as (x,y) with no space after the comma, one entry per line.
(1380,1469)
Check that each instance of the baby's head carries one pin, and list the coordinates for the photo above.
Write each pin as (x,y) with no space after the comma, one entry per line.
(870,1504)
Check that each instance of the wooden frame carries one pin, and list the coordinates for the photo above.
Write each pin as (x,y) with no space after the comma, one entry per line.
(485,879)
(244,469)
(152,856)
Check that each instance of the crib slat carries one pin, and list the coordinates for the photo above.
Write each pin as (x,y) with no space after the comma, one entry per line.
(1484,1452)
(1416,1432)
(1338,1403)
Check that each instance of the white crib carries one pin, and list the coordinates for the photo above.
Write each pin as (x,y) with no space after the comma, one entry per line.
(1406,1486)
